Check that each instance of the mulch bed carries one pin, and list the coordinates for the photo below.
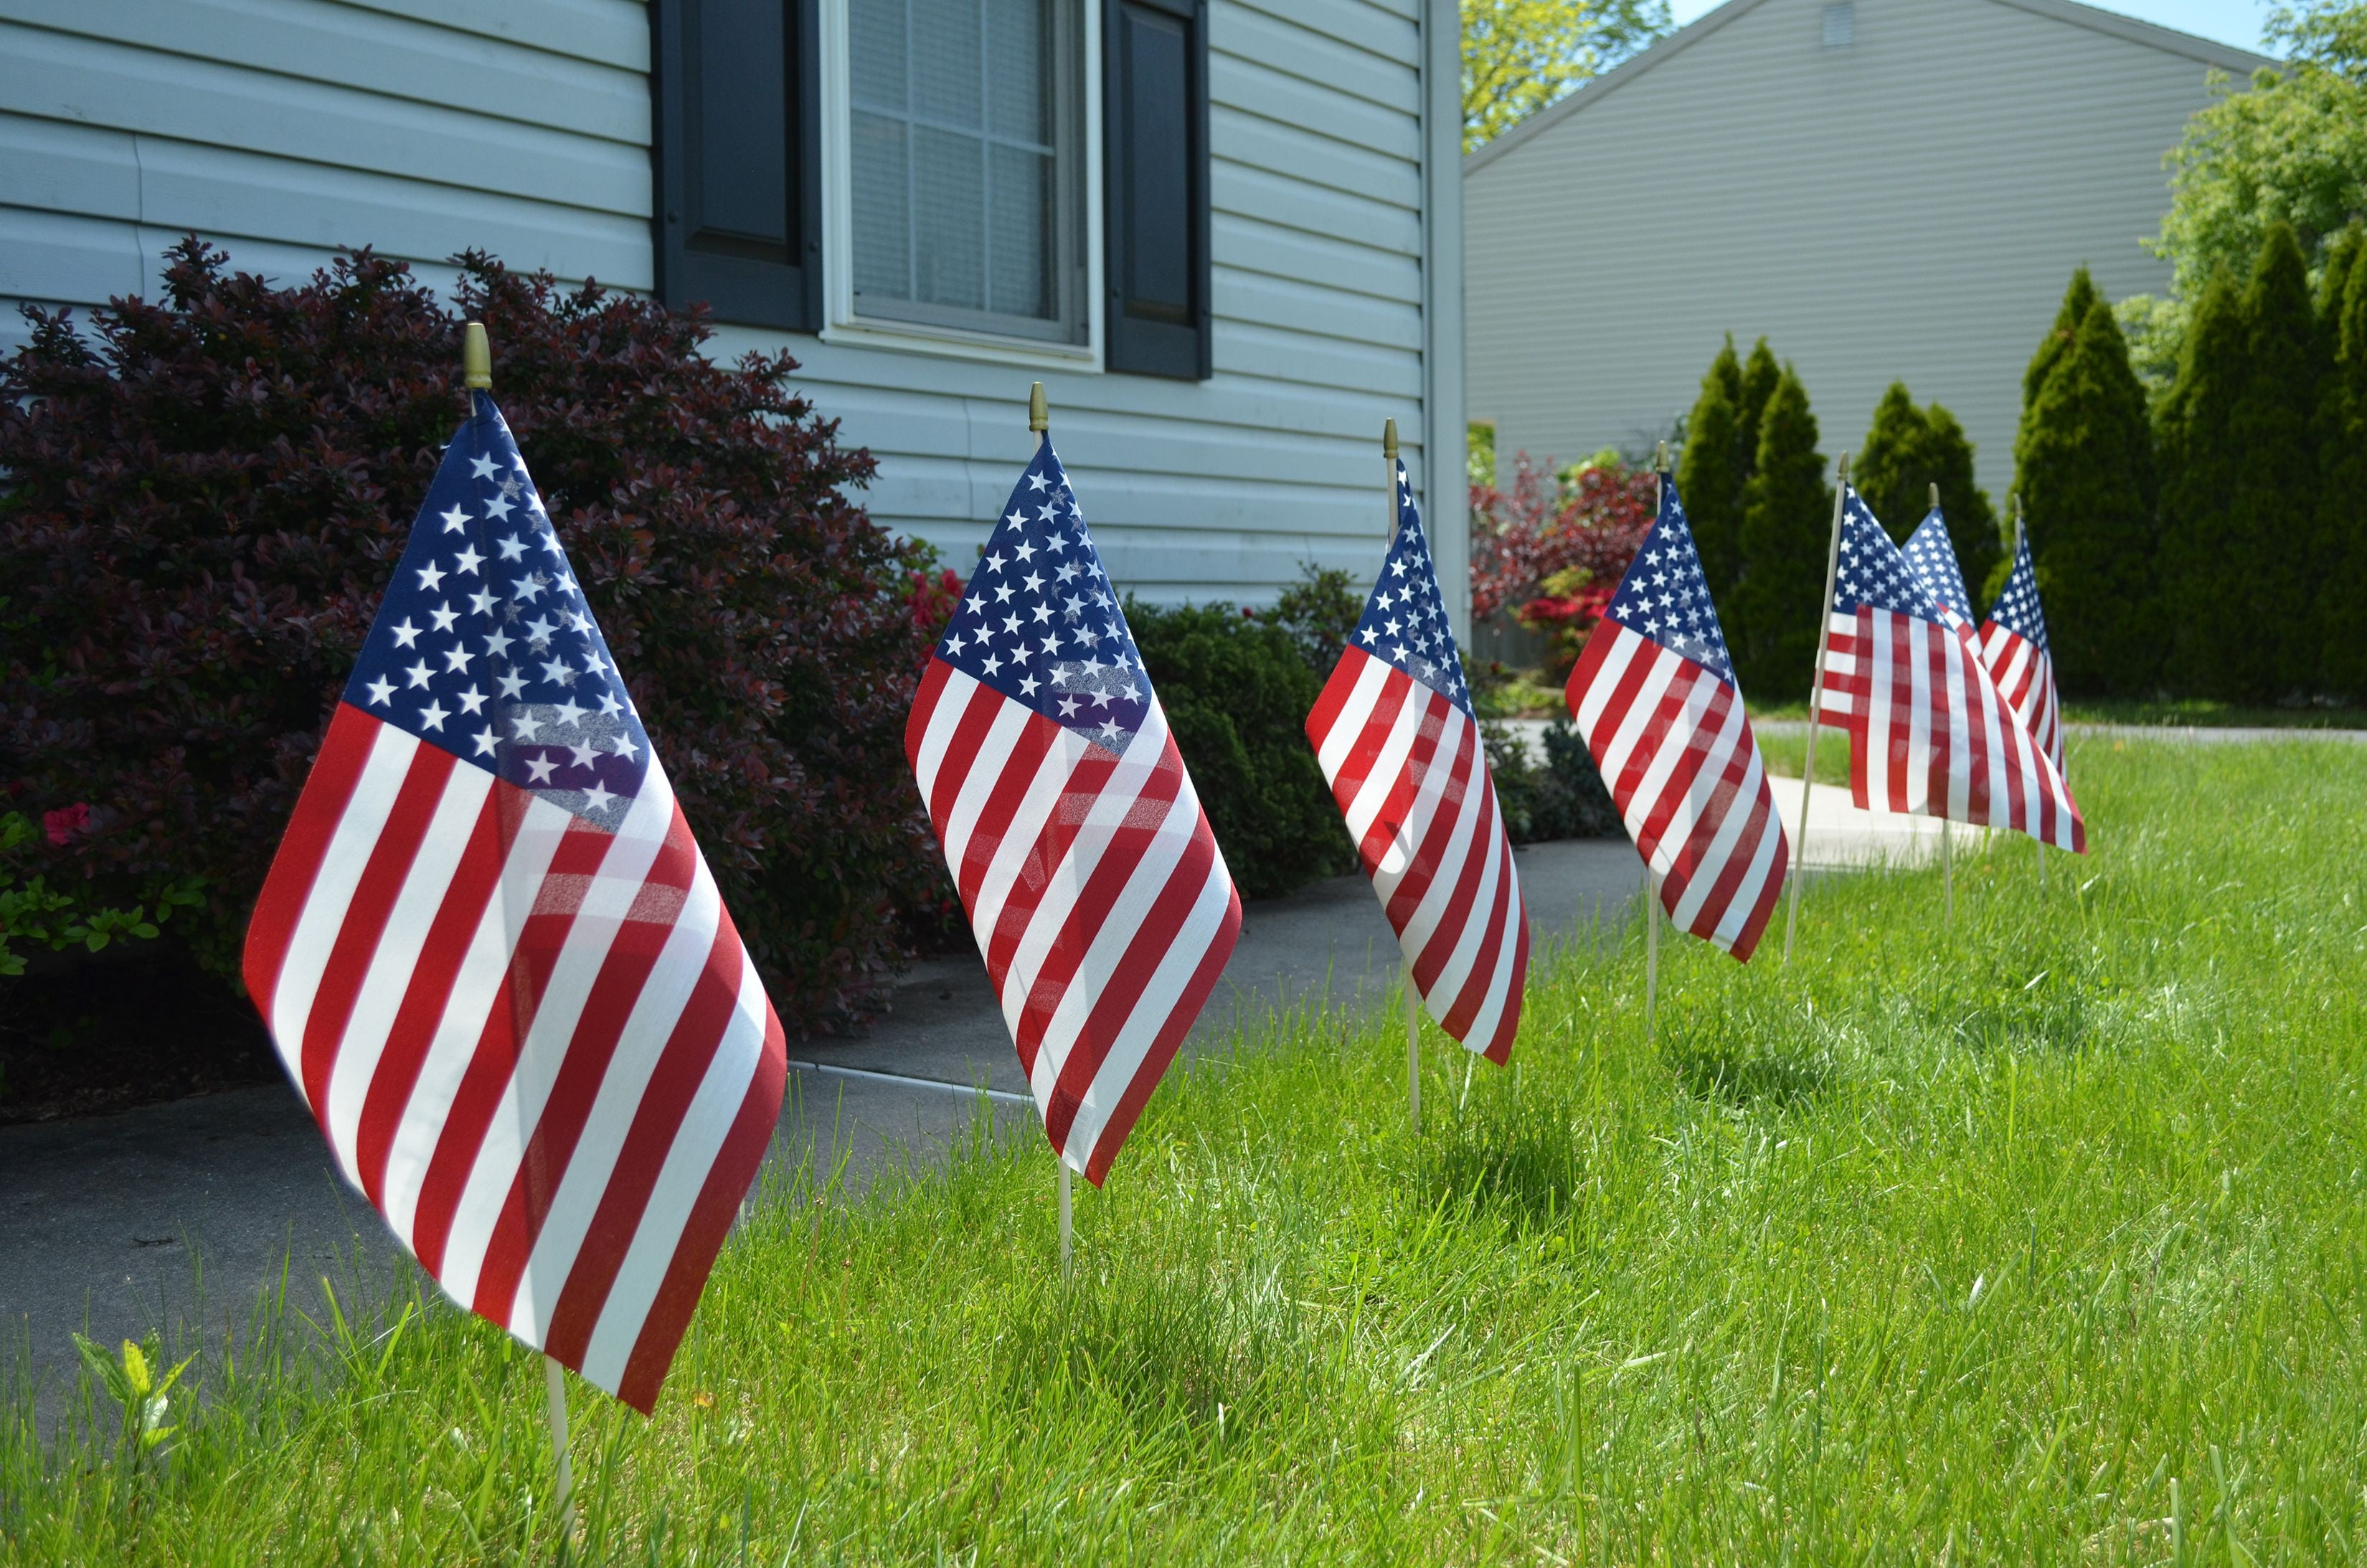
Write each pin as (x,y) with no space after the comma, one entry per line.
(89,1034)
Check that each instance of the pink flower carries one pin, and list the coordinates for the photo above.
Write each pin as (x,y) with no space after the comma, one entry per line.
(65,822)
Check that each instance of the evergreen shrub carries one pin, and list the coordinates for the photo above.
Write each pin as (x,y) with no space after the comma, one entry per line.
(2085,472)
(206,492)
(1237,689)
(1909,450)
(1787,507)
(2342,501)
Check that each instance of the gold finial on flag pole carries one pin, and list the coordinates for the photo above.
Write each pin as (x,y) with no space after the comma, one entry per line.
(1660,459)
(1935,495)
(1389,439)
(477,356)
(1039,412)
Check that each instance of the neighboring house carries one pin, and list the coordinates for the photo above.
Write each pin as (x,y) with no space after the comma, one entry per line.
(1223,233)
(1885,189)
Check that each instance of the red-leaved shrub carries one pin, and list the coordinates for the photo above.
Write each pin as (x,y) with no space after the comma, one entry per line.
(205,493)
(1553,546)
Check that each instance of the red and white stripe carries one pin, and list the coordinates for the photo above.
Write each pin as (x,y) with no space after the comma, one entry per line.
(1094,887)
(1408,769)
(2026,677)
(538,1046)
(1678,754)
(1930,733)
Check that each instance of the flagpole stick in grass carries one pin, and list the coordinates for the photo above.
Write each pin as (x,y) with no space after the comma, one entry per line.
(2017,555)
(1947,839)
(1652,883)
(1412,992)
(477,372)
(1039,420)
(1815,692)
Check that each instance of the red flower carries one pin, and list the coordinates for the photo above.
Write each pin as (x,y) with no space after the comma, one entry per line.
(65,822)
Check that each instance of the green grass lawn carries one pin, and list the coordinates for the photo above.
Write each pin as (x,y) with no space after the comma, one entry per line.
(2183,713)
(2040,1239)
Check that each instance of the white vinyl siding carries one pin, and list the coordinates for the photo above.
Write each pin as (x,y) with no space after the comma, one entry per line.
(1908,207)
(281,129)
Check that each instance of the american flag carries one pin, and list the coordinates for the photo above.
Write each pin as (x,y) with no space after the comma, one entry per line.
(1931,556)
(1094,888)
(2013,646)
(1655,696)
(1398,741)
(494,962)
(1929,732)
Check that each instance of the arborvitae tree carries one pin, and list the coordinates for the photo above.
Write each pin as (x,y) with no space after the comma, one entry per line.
(1709,473)
(1760,374)
(2274,428)
(2333,284)
(2077,301)
(1786,527)
(2088,489)
(2342,513)
(1909,450)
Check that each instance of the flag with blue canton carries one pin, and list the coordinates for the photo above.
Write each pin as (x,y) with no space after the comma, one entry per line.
(2013,646)
(494,962)
(1093,883)
(1655,696)
(485,645)
(1930,731)
(1040,622)
(1398,741)
(1931,556)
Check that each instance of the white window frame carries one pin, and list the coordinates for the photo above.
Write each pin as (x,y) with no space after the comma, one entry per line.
(842,323)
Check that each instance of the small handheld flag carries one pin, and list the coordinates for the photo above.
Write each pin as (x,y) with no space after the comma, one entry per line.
(1093,883)
(2013,646)
(1932,555)
(1398,741)
(1655,696)
(1929,732)
(494,962)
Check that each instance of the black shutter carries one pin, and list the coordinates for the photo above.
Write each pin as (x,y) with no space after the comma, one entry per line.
(739,158)
(1155,118)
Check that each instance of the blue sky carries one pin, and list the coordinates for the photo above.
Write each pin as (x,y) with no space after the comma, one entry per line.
(2229,21)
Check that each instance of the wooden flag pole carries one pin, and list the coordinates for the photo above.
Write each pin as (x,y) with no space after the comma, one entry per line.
(1039,420)
(1815,694)
(1412,991)
(554,1384)
(1947,839)
(2009,568)
(477,374)
(1652,883)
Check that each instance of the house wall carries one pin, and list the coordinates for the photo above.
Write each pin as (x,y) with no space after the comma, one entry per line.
(285,128)
(1908,206)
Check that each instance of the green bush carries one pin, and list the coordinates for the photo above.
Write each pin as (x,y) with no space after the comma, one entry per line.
(1564,797)
(2342,504)
(1237,691)
(1786,525)
(1909,450)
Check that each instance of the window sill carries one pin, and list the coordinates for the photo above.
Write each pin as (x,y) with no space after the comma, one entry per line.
(952,342)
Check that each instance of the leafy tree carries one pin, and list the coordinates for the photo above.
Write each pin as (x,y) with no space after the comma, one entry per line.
(1520,55)
(1786,527)
(2087,477)
(2342,516)
(1712,468)
(1909,450)
(1760,374)
(2291,149)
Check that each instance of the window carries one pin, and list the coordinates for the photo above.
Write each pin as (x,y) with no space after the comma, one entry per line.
(1000,179)
(966,187)
(1840,26)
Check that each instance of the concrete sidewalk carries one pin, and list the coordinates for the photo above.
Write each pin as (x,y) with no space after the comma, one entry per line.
(180,1216)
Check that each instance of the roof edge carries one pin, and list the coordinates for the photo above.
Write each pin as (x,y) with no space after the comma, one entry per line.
(1611,80)
(2209,51)
(2220,56)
